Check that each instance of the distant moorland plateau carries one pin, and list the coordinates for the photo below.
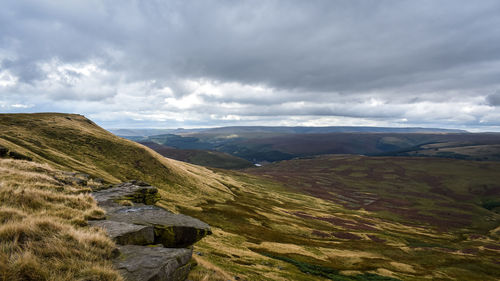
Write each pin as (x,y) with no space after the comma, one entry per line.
(270,144)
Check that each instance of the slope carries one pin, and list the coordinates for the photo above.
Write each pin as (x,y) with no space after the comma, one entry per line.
(207,158)
(273,229)
(71,141)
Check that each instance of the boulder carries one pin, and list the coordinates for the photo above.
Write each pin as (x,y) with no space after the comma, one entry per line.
(125,233)
(3,151)
(149,263)
(171,230)
(19,156)
(137,193)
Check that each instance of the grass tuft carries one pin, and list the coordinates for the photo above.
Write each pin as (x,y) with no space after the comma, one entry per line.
(42,233)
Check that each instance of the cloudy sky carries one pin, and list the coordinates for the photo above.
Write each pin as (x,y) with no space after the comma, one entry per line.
(169,64)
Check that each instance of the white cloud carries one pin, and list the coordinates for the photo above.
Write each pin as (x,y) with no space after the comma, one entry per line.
(7,79)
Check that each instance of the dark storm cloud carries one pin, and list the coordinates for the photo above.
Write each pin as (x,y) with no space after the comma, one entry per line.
(333,56)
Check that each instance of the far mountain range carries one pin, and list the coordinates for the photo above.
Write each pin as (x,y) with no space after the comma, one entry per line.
(240,147)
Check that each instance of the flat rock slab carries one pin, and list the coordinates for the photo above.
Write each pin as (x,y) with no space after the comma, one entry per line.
(136,192)
(148,263)
(126,233)
(171,230)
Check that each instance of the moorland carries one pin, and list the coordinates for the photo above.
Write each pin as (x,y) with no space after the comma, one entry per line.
(368,209)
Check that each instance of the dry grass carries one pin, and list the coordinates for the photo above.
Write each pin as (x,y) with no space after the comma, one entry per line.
(42,227)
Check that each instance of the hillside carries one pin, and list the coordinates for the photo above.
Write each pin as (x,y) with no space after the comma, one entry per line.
(69,141)
(208,158)
(323,130)
(338,218)
(269,144)
(467,150)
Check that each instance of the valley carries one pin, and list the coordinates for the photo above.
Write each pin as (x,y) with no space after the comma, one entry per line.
(336,217)
(270,144)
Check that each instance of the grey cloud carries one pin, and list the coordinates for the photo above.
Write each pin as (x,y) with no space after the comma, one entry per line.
(332,55)
(316,46)
(494,99)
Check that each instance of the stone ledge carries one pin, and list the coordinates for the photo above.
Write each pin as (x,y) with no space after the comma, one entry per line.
(171,230)
(144,224)
(146,263)
(126,233)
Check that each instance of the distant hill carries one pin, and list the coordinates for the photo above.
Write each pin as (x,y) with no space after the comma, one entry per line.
(150,132)
(486,150)
(206,158)
(248,130)
(267,144)
(324,130)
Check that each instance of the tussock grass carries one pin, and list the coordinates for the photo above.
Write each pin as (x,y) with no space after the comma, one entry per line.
(42,227)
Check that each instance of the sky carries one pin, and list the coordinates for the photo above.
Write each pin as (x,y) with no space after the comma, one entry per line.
(170,64)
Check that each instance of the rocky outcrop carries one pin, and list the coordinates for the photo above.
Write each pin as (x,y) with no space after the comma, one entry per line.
(171,230)
(126,233)
(133,191)
(154,243)
(141,263)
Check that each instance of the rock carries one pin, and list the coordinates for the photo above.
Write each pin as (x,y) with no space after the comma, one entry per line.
(83,176)
(144,224)
(98,180)
(171,230)
(19,156)
(3,151)
(145,194)
(146,263)
(125,233)
(139,183)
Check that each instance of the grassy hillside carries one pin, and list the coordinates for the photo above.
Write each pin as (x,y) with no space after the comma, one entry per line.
(409,218)
(309,219)
(73,142)
(43,233)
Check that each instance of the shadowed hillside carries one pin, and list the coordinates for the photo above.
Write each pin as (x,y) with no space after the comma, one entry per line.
(206,158)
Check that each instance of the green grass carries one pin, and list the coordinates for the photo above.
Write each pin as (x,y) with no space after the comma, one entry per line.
(327,272)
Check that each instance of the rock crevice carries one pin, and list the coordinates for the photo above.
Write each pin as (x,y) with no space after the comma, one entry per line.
(154,244)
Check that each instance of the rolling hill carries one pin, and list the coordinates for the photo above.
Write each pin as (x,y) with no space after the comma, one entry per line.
(208,158)
(332,217)
(270,144)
